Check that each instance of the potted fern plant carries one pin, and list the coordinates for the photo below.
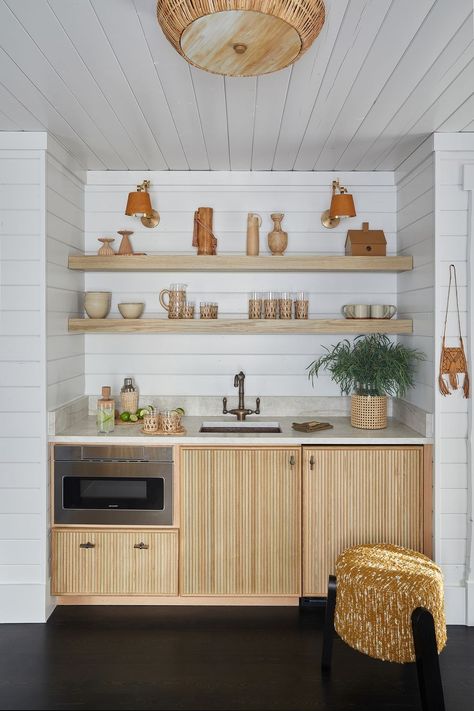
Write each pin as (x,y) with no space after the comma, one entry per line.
(369,369)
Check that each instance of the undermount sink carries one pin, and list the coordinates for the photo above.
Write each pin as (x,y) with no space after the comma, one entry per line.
(239,427)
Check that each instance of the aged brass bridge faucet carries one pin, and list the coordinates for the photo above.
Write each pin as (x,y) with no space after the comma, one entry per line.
(241,411)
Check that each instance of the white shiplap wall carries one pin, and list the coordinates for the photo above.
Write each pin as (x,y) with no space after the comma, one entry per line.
(455,476)
(415,220)
(23,443)
(65,359)
(64,236)
(433,226)
(41,366)
(205,364)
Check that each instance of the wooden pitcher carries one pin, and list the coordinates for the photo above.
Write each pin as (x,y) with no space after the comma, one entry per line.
(203,236)
(254,222)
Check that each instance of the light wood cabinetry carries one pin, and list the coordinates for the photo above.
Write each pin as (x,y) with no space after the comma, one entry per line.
(257,525)
(240,521)
(354,495)
(115,562)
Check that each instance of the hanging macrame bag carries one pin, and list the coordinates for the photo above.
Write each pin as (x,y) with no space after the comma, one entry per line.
(453,361)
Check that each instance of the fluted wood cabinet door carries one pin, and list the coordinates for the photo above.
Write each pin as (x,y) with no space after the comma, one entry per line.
(240,521)
(114,562)
(354,495)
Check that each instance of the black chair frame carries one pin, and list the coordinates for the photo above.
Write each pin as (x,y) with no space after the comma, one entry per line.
(426,650)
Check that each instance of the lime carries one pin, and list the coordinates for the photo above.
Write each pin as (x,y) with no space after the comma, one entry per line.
(125,416)
(142,412)
(180,411)
(133,418)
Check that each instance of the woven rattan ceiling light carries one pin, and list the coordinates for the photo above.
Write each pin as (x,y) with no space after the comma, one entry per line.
(241,37)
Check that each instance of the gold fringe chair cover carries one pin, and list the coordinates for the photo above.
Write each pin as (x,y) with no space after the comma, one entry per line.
(453,361)
(378,587)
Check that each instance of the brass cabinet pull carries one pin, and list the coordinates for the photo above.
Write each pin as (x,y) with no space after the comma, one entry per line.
(87,545)
(292,461)
(311,463)
(142,546)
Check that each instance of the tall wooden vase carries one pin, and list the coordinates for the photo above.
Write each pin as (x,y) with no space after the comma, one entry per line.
(203,236)
(277,239)
(254,222)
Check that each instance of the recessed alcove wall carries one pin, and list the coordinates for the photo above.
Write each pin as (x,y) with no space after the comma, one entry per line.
(205,364)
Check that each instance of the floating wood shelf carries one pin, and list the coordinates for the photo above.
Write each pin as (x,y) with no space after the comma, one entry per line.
(235,263)
(240,326)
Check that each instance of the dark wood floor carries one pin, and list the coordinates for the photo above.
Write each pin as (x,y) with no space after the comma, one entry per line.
(204,659)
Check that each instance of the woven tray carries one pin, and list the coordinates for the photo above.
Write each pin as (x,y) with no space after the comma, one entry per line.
(161,433)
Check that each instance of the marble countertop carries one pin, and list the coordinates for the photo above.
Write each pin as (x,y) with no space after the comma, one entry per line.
(342,433)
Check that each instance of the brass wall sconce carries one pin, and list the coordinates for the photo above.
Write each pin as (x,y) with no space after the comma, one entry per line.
(139,205)
(342,205)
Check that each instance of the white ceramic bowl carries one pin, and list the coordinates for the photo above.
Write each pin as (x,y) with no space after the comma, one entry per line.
(97,303)
(131,310)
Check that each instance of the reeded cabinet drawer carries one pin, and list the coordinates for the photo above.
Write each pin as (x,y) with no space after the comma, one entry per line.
(114,562)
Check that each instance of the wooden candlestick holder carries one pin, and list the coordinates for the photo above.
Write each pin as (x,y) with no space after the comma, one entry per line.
(125,245)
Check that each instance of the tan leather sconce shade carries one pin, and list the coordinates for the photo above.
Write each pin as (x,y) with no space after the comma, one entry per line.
(138,203)
(342,206)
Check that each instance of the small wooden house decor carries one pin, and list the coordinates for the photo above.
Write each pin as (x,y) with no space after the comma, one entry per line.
(365,242)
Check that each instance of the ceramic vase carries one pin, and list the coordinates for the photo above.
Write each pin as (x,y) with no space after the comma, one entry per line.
(277,239)
(254,223)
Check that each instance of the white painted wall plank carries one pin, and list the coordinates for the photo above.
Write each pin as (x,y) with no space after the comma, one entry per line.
(304,87)
(389,46)
(137,65)
(457,120)
(433,34)
(7,123)
(19,113)
(355,38)
(22,386)
(458,87)
(272,91)
(44,111)
(80,24)
(31,61)
(211,100)
(41,23)
(440,74)
(175,77)
(241,98)
(65,220)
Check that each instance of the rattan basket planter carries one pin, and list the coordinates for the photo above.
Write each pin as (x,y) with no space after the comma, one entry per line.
(241,37)
(369,412)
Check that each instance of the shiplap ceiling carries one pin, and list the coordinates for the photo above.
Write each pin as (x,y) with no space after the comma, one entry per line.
(101,77)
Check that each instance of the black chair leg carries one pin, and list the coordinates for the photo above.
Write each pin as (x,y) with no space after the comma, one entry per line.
(427,660)
(328,633)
